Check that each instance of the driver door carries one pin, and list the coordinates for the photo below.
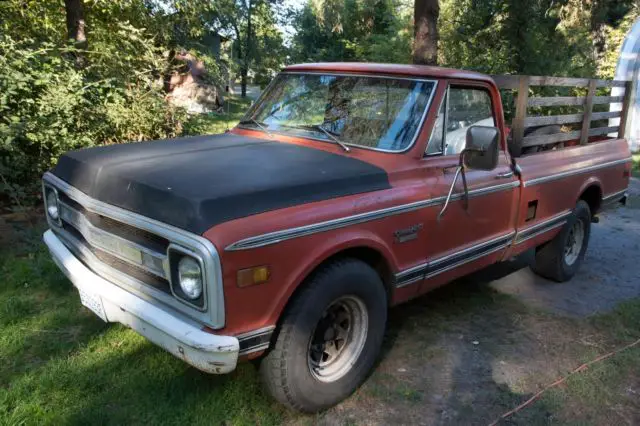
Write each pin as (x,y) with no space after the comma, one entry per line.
(467,235)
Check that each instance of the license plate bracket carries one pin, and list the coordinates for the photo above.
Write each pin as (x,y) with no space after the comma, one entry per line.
(94,303)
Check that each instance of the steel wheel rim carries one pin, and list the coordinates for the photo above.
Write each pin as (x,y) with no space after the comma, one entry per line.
(338,339)
(575,240)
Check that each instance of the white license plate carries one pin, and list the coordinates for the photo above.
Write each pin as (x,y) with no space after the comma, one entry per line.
(94,303)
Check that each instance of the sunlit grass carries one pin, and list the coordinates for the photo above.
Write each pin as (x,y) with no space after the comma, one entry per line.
(213,122)
(59,364)
(636,165)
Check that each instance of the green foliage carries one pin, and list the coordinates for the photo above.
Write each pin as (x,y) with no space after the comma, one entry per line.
(542,37)
(515,37)
(48,106)
(614,37)
(54,98)
(353,30)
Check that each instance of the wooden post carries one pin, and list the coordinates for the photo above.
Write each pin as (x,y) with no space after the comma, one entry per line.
(521,115)
(588,109)
(626,102)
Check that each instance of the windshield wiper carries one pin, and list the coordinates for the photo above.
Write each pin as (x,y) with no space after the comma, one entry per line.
(318,127)
(257,123)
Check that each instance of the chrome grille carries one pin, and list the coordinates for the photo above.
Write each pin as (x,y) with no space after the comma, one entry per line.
(131,233)
(123,249)
(131,250)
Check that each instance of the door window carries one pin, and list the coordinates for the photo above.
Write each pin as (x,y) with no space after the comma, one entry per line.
(462,108)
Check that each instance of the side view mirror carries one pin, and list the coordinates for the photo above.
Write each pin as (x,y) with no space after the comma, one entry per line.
(482,148)
(481,153)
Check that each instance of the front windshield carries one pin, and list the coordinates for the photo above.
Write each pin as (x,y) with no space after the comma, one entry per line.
(373,112)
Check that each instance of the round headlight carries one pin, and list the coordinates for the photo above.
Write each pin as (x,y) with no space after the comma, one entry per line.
(52,205)
(190,277)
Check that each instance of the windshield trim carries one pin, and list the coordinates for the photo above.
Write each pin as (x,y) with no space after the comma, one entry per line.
(346,74)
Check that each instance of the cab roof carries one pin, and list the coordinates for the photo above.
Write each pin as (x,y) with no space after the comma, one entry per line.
(421,71)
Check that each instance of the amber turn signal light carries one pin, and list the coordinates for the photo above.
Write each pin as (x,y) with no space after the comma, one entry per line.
(253,276)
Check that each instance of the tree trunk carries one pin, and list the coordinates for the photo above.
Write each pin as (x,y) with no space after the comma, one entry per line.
(76,24)
(247,53)
(243,81)
(425,45)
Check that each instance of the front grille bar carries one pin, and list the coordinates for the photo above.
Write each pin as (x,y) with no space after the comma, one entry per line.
(135,254)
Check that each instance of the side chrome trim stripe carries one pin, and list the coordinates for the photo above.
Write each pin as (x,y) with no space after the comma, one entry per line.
(287,234)
(446,263)
(453,260)
(527,233)
(557,176)
(611,198)
(255,340)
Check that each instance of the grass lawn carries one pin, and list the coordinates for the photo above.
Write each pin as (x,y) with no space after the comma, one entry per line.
(212,123)
(59,364)
(636,165)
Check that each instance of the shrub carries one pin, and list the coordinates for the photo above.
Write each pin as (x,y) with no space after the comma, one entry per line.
(49,106)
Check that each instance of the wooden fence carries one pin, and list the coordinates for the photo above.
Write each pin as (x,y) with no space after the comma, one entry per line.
(523,101)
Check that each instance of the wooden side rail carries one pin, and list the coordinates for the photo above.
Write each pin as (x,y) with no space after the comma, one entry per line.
(521,120)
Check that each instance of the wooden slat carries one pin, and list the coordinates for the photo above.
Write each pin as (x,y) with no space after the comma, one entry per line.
(548,139)
(611,83)
(512,81)
(588,108)
(521,116)
(566,136)
(607,99)
(604,115)
(558,81)
(549,120)
(506,81)
(556,101)
(625,109)
(553,119)
(603,130)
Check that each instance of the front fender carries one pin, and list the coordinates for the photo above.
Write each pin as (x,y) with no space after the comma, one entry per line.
(327,248)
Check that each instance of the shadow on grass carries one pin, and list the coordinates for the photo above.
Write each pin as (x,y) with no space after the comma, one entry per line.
(135,383)
(449,342)
(62,365)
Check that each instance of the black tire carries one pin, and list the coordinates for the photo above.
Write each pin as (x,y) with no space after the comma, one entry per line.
(550,261)
(286,370)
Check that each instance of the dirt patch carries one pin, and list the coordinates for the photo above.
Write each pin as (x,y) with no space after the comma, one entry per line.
(469,352)
(608,276)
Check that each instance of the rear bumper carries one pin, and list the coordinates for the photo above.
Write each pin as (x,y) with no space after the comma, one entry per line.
(184,339)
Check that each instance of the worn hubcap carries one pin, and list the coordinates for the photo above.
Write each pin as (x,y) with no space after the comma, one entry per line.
(574,243)
(338,339)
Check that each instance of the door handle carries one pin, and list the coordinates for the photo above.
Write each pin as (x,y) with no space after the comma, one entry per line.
(505,175)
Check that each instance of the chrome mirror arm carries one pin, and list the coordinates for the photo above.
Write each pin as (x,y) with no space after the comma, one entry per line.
(453,184)
(459,171)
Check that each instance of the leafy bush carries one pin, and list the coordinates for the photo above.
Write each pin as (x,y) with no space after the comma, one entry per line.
(49,106)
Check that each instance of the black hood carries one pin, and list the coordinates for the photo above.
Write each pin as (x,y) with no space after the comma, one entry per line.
(195,183)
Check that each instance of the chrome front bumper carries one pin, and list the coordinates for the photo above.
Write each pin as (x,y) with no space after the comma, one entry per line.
(184,339)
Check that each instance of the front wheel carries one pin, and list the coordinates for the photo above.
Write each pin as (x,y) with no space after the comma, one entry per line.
(329,339)
(560,258)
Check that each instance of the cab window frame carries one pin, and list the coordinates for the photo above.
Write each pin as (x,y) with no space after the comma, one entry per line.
(445,116)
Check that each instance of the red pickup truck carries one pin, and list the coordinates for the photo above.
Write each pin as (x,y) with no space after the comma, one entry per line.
(346,189)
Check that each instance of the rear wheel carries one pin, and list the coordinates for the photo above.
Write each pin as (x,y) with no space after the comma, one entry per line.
(329,339)
(560,258)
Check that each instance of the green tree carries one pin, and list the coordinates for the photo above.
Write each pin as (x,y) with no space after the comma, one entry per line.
(352,30)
